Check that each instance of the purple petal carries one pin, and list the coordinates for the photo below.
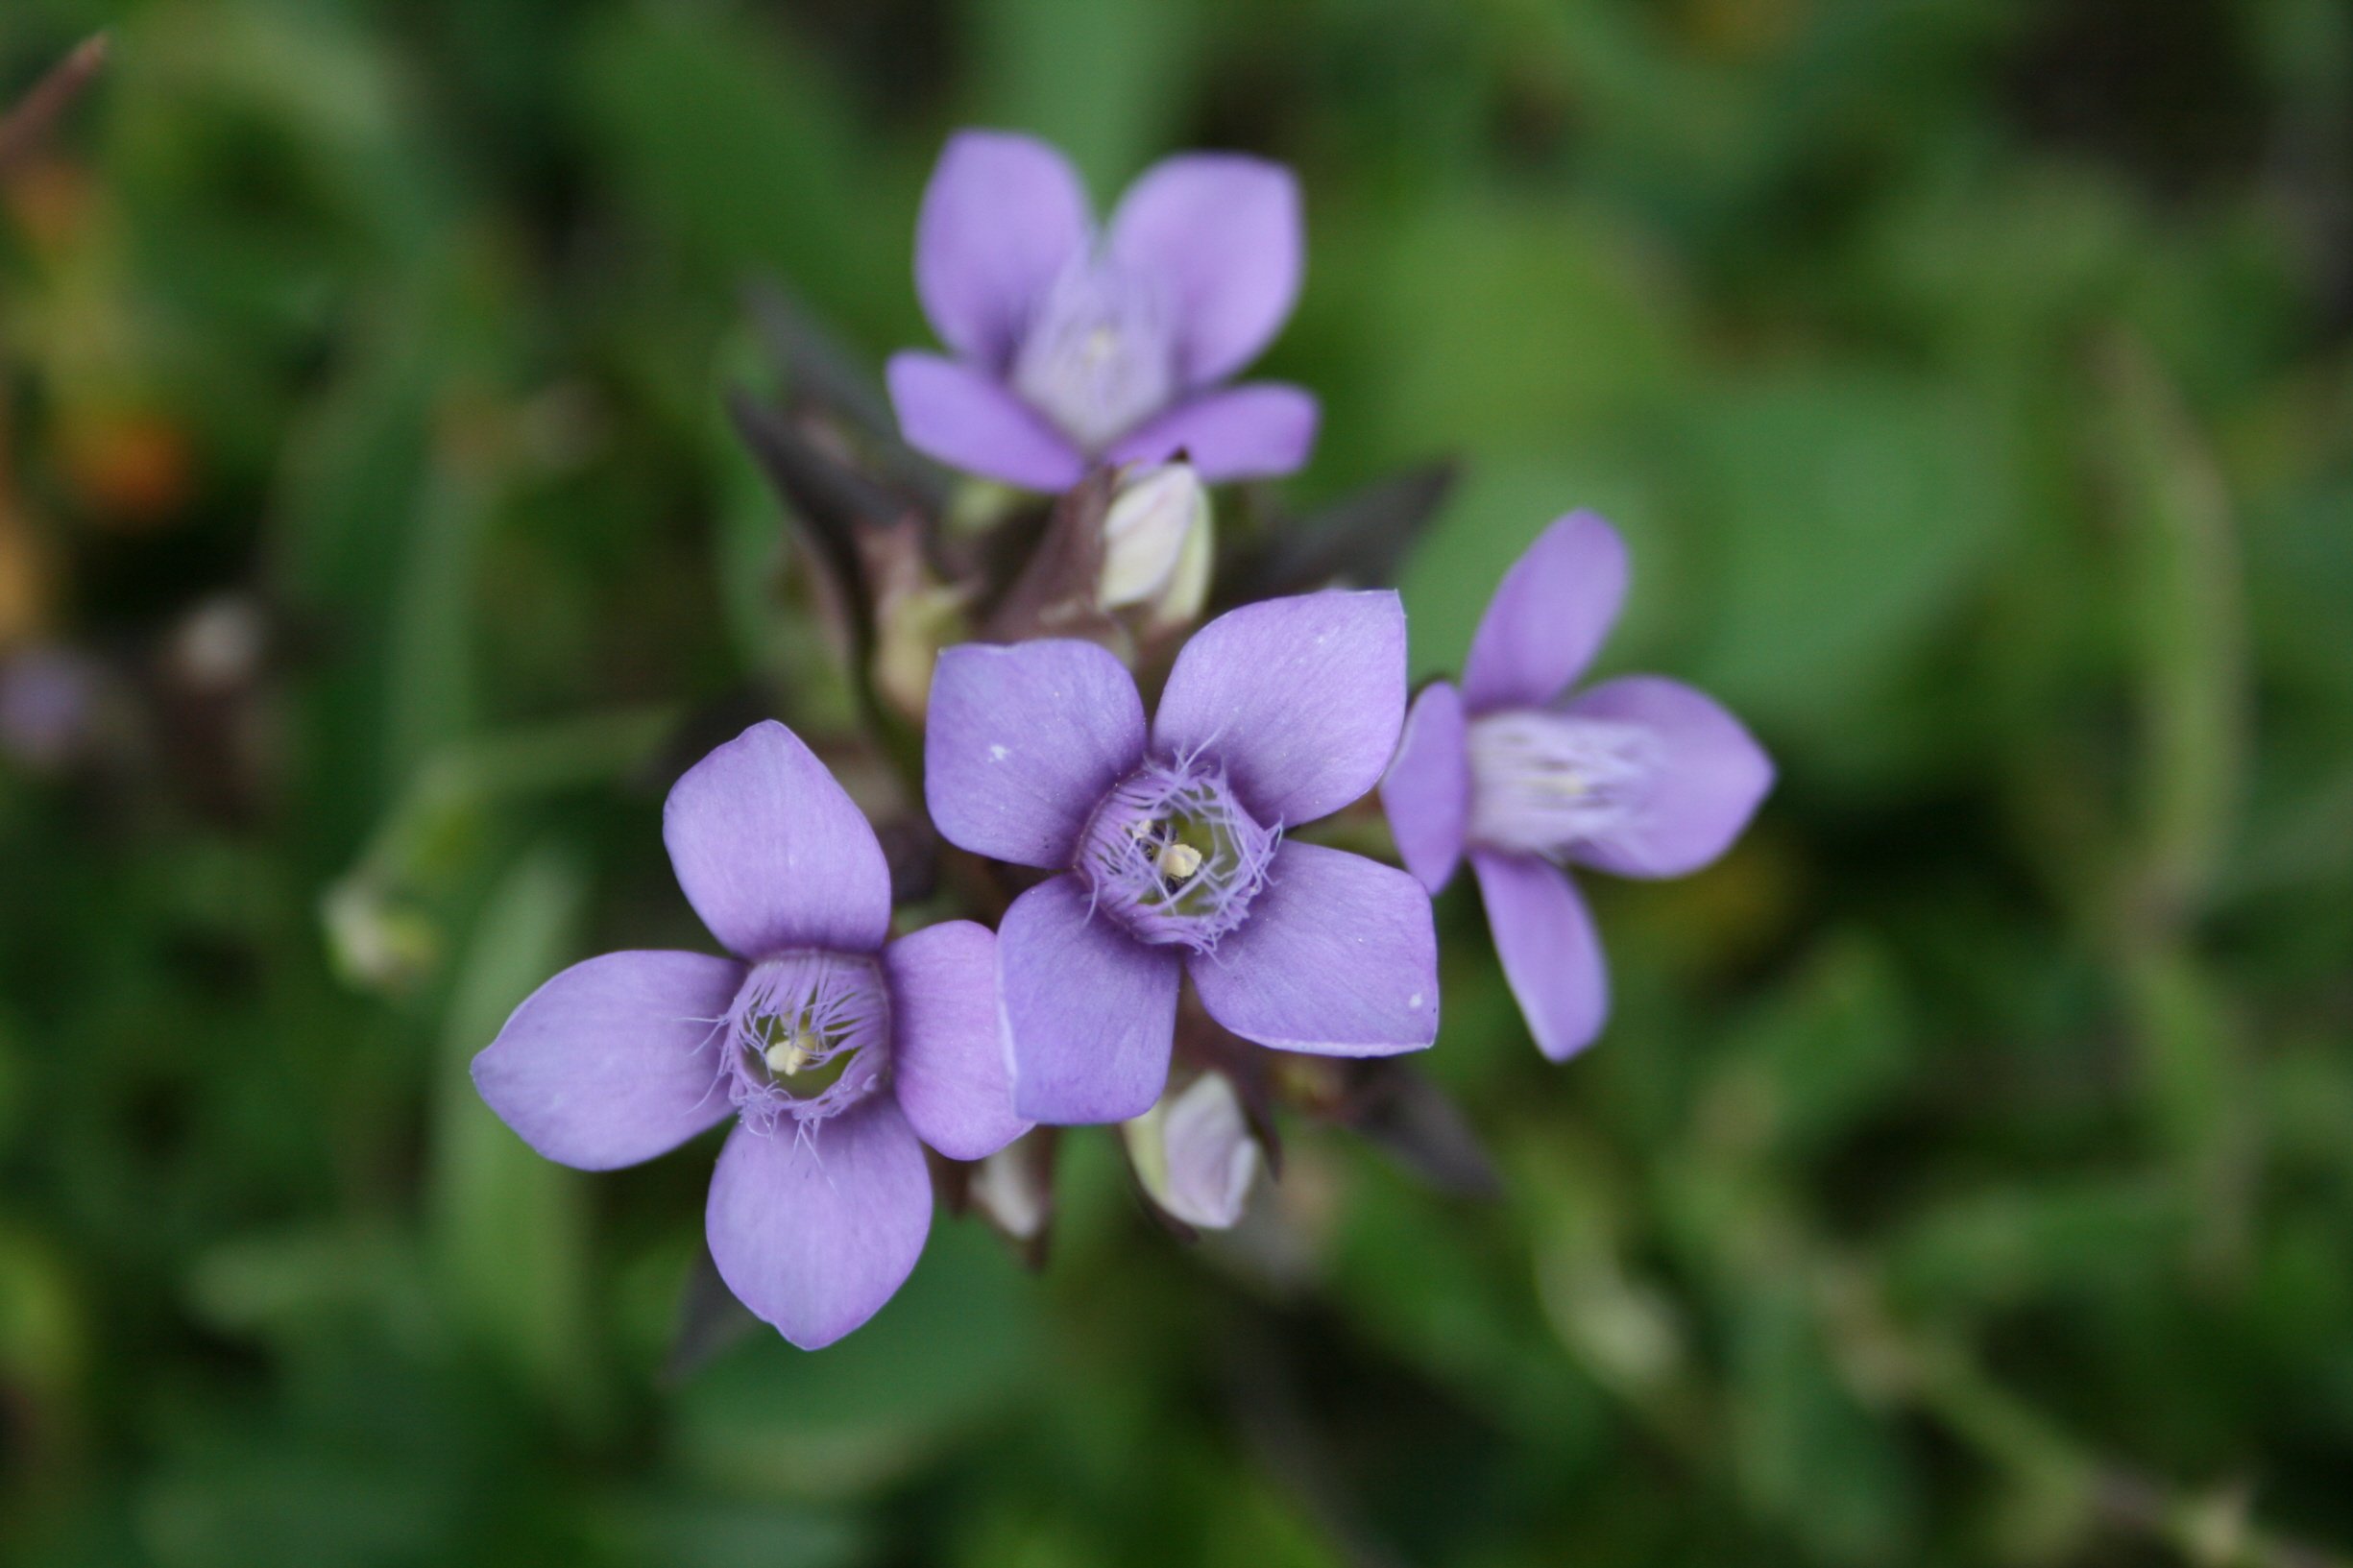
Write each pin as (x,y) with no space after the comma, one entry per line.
(1022,742)
(1544,936)
(1426,791)
(1089,1013)
(813,1227)
(1260,430)
(1003,216)
(1339,957)
(946,1054)
(615,1060)
(1548,617)
(1300,699)
(958,415)
(773,854)
(1220,235)
(1708,777)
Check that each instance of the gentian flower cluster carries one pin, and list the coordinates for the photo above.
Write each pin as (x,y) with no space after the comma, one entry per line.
(1187,933)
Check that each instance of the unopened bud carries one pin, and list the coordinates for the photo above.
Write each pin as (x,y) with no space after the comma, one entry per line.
(1156,544)
(1195,1154)
(1010,1188)
(376,943)
(915,615)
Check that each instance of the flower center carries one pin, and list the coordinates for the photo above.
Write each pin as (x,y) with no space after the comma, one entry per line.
(1174,857)
(808,1037)
(1097,360)
(1544,782)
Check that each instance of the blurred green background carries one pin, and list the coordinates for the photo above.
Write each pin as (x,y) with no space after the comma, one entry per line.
(1967,1174)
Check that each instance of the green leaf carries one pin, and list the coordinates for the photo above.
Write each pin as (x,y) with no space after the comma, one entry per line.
(1452,1299)
(1850,512)
(739,144)
(1504,329)
(954,1347)
(508,1228)
(1495,513)
(42,1334)
(1104,83)
(429,702)
(1827,1048)
(1807,1455)
(2008,1245)
(346,493)
(11,1080)
(284,1501)
(723,1532)
(2189,624)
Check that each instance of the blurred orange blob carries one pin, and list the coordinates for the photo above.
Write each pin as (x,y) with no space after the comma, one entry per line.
(24,577)
(129,468)
(50,199)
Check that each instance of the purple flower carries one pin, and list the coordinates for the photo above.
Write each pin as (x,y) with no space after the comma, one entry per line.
(1640,776)
(1169,846)
(835,1048)
(1072,346)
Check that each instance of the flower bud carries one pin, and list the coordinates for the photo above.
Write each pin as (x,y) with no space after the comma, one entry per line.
(1011,1188)
(1194,1154)
(376,943)
(915,615)
(1156,544)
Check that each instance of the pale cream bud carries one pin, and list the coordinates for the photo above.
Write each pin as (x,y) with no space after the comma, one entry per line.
(915,615)
(1156,542)
(1195,1154)
(1010,1188)
(376,943)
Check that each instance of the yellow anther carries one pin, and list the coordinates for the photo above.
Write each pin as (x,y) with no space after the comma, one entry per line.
(788,1057)
(1178,861)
